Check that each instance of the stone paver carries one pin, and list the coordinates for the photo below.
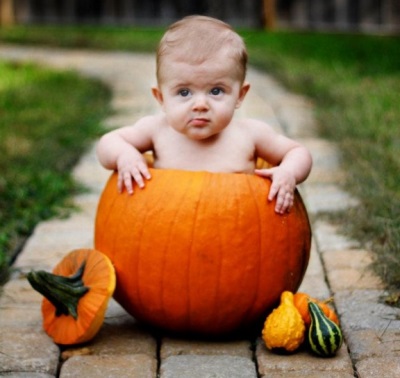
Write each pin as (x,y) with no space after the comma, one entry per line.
(121,366)
(338,266)
(303,363)
(176,347)
(26,349)
(188,366)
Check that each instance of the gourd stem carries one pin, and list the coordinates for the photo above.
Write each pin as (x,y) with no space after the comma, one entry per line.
(329,300)
(63,292)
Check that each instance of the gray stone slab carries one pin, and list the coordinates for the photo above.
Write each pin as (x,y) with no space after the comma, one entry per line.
(53,240)
(326,197)
(314,282)
(90,173)
(190,366)
(124,338)
(302,361)
(27,350)
(369,343)
(308,374)
(329,238)
(315,286)
(351,269)
(20,305)
(326,167)
(26,375)
(20,316)
(295,114)
(19,292)
(364,309)
(379,367)
(314,264)
(175,347)
(325,154)
(121,366)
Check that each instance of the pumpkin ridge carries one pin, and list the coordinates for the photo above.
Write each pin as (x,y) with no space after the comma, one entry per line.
(139,287)
(110,186)
(162,264)
(217,295)
(165,250)
(221,318)
(115,238)
(248,314)
(190,257)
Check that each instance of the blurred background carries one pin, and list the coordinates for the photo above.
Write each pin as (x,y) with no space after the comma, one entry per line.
(328,15)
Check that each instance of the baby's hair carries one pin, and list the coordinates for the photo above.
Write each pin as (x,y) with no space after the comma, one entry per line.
(196,38)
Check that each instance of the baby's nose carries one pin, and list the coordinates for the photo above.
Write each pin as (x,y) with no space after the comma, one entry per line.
(200,103)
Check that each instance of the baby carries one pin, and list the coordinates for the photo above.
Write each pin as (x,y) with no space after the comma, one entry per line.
(201,69)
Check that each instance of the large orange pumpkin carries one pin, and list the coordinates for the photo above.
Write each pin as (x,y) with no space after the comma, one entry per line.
(201,252)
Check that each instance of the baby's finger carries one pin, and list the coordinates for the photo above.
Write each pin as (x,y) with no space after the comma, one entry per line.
(273,191)
(144,170)
(127,182)
(137,177)
(124,180)
(279,203)
(284,203)
(120,184)
(267,173)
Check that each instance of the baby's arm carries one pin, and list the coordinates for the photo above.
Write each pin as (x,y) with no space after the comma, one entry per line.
(122,149)
(292,165)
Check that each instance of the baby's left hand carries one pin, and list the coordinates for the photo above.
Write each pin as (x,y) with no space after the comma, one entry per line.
(282,187)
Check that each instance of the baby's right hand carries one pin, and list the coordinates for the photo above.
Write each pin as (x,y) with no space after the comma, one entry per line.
(131,166)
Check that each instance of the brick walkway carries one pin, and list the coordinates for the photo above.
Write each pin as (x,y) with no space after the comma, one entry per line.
(123,348)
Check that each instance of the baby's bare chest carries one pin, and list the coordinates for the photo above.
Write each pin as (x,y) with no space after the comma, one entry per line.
(229,152)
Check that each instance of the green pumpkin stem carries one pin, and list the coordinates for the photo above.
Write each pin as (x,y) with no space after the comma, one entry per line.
(63,292)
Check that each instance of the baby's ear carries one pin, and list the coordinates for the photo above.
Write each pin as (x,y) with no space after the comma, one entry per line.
(242,94)
(157,95)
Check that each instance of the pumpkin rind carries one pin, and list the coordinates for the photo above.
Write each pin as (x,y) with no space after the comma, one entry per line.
(201,252)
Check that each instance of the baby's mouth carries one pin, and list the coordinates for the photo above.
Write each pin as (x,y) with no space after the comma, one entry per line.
(199,122)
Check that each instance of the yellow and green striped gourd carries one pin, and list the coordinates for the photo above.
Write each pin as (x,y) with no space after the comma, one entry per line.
(325,336)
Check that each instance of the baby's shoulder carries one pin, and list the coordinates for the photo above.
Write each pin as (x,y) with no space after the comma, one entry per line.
(253,125)
(155,120)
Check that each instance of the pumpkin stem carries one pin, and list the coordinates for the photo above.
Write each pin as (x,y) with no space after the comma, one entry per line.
(63,292)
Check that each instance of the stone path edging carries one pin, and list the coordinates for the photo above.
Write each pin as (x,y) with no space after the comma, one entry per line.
(338,266)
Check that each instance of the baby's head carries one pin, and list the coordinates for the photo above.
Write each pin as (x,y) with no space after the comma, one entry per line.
(195,39)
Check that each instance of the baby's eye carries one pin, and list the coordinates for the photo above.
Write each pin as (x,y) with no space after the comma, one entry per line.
(216,91)
(184,92)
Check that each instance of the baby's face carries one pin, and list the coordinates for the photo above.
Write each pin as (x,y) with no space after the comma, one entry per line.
(199,100)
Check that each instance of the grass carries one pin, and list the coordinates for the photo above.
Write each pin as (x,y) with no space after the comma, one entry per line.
(353,80)
(47,119)
(108,38)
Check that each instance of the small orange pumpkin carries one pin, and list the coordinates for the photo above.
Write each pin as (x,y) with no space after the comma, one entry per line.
(201,252)
(301,302)
(75,295)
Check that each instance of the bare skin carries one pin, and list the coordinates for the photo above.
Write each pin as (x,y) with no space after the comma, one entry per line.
(197,132)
